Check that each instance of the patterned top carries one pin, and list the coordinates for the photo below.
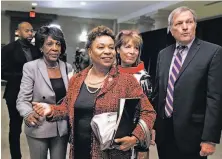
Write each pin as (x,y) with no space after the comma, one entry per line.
(142,77)
(116,85)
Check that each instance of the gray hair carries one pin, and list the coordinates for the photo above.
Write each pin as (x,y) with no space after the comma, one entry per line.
(180,10)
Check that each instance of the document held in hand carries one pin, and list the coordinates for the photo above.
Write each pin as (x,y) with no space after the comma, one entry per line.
(127,117)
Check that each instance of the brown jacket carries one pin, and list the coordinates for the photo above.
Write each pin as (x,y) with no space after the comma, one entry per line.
(117,85)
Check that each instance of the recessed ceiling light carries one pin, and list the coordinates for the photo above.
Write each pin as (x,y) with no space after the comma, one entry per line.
(83,3)
(34,4)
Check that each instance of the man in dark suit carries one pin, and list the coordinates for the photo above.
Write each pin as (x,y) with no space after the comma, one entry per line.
(14,56)
(188,92)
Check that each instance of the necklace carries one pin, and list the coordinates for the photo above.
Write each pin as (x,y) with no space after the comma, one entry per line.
(92,92)
(99,82)
(96,83)
(51,67)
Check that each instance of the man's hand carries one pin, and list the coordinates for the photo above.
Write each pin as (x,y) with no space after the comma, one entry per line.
(42,109)
(153,137)
(33,120)
(207,148)
(127,142)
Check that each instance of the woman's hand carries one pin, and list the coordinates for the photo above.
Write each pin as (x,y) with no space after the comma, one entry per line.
(126,142)
(32,120)
(42,109)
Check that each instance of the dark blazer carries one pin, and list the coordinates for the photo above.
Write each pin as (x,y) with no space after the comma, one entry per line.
(117,85)
(197,96)
(13,59)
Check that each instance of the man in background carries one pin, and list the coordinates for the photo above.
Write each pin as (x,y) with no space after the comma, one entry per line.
(188,90)
(14,56)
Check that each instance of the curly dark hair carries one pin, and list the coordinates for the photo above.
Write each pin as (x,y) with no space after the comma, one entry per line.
(45,31)
(99,31)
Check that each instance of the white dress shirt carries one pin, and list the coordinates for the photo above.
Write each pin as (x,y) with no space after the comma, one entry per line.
(183,54)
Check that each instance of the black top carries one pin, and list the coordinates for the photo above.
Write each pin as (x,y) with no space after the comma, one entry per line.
(26,49)
(84,108)
(59,88)
(13,59)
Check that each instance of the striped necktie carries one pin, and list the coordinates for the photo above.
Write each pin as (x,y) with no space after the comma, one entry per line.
(177,64)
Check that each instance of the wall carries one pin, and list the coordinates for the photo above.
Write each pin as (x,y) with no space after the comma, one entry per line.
(72,28)
(5,25)
(125,26)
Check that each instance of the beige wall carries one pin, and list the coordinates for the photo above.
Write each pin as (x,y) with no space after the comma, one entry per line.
(5,27)
(73,27)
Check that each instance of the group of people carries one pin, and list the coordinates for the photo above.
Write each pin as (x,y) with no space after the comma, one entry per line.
(185,114)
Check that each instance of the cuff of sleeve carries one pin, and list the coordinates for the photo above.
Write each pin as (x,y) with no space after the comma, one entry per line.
(52,112)
(208,142)
(27,114)
(138,133)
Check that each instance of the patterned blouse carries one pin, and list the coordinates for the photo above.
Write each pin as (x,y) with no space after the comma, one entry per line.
(116,85)
(142,77)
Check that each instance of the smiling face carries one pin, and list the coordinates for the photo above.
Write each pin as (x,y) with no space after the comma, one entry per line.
(51,49)
(129,52)
(183,27)
(102,52)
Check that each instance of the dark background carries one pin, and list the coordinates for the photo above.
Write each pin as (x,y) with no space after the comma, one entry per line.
(155,41)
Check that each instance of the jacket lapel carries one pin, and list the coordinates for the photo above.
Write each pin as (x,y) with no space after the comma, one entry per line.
(64,72)
(190,55)
(168,58)
(19,53)
(43,70)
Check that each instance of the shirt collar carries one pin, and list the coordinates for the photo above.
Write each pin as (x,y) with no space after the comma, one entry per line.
(188,45)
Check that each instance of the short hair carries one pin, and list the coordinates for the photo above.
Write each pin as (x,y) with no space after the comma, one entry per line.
(123,37)
(97,32)
(20,24)
(45,31)
(180,10)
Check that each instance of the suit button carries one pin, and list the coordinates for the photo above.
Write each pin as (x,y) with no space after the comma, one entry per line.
(43,97)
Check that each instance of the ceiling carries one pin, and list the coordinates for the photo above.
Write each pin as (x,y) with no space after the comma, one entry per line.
(93,9)
(122,11)
(203,9)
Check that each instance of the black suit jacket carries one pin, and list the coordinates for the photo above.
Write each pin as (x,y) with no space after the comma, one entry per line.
(197,114)
(13,59)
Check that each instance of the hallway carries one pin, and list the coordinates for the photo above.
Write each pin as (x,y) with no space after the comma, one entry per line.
(5,154)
